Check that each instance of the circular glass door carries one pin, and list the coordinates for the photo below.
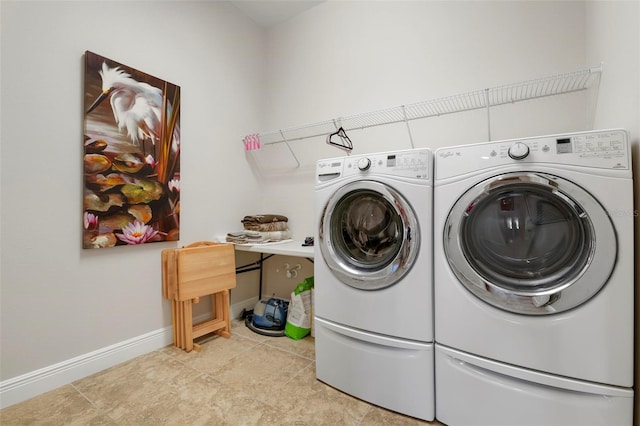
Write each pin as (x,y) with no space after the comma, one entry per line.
(368,235)
(523,243)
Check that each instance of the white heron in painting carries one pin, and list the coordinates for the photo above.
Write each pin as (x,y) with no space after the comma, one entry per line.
(136,106)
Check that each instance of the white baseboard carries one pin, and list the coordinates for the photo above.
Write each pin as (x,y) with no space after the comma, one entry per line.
(26,386)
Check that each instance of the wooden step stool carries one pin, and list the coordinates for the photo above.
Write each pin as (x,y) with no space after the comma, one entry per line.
(196,270)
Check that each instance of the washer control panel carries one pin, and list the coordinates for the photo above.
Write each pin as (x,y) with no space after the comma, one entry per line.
(605,149)
(413,164)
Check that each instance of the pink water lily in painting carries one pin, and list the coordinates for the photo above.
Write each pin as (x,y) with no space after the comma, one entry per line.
(90,221)
(137,233)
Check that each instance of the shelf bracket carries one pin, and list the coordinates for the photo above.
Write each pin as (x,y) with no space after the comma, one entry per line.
(486,99)
(295,157)
(404,114)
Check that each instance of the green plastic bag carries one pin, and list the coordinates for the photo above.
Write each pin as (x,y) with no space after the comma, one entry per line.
(299,315)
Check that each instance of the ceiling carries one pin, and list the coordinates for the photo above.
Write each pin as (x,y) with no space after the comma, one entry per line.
(268,13)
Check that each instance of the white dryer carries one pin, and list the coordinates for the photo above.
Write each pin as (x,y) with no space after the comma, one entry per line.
(373,279)
(533,264)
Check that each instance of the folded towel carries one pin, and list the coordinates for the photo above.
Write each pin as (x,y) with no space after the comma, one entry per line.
(264,218)
(243,236)
(254,237)
(276,235)
(266,227)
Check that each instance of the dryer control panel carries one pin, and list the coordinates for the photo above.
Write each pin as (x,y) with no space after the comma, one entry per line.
(413,164)
(606,149)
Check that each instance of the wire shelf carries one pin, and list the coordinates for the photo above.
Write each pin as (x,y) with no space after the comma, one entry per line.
(485,98)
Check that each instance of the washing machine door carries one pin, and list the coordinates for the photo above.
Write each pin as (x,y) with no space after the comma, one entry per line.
(368,235)
(530,243)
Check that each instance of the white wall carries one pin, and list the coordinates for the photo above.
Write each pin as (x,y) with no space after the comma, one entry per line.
(58,300)
(344,58)
(618,46)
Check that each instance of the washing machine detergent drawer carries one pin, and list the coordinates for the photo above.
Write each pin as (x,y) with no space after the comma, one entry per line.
(391,373)
(476,391)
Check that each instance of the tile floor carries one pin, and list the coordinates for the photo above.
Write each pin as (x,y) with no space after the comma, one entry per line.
(248,379)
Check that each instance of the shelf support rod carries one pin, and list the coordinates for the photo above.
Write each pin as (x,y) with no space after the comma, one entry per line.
(295,157)
(404,114)
(486,99)
(593,99)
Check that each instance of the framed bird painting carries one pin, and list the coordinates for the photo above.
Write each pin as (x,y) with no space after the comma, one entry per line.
(131,152)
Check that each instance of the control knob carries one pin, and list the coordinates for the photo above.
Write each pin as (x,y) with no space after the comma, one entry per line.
(518,151)
(364,164)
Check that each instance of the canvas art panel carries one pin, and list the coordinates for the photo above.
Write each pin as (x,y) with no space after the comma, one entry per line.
(131,152)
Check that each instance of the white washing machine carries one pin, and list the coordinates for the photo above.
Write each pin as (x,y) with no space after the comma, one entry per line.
(533,278)
(373,279)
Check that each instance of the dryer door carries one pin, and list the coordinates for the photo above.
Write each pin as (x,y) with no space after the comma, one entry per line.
(530,243)
(368,235)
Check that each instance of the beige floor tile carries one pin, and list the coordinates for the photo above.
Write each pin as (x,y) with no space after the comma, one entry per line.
(203,402)
(238,328)
(247,379)
(312,402)
(264,370)
(380,416)
(215,352)
(126,390)
(304,347)
(62,406)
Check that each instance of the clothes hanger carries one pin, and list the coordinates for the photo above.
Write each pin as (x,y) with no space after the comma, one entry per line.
(343,143)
